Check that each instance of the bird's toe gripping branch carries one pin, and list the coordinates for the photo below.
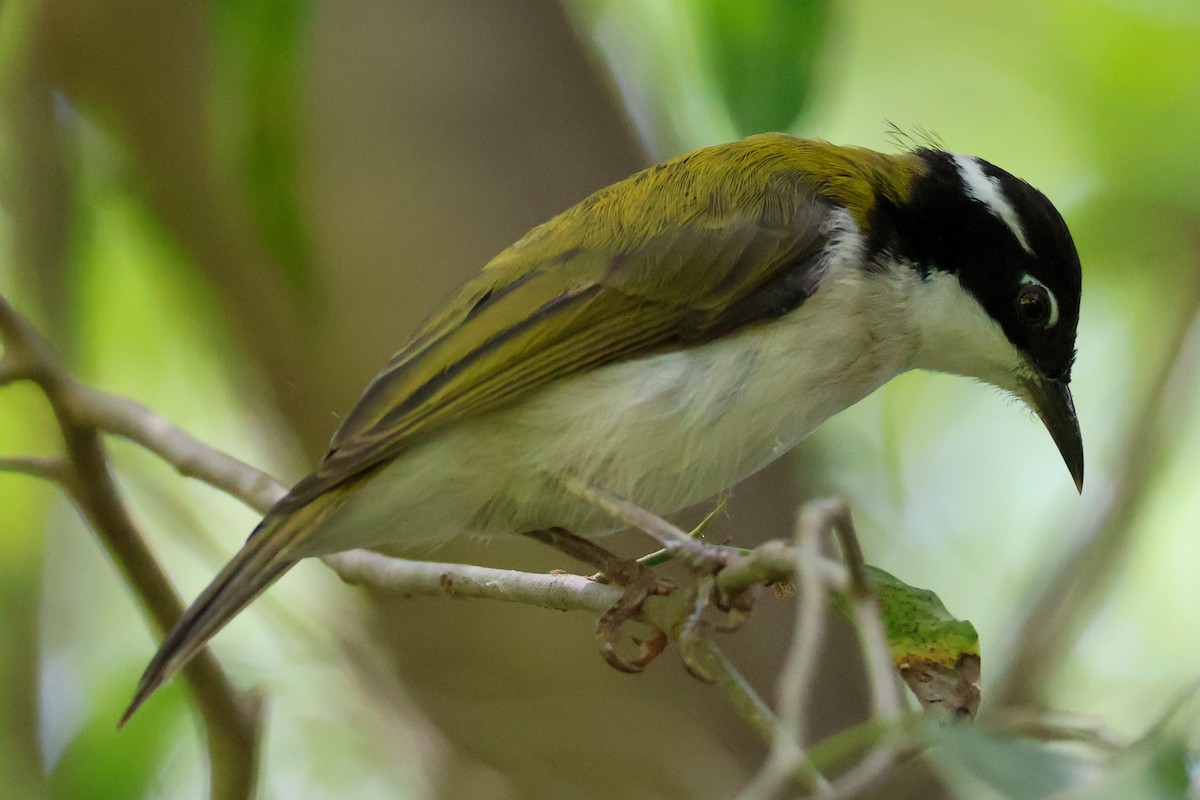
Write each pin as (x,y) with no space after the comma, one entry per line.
(703,559)
(637,581)
(609,630)
(700,624)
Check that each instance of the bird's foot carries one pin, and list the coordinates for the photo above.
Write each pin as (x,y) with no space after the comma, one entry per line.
(709,603)
(637,582)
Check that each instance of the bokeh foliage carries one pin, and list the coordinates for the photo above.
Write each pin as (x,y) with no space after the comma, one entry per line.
(1097,103)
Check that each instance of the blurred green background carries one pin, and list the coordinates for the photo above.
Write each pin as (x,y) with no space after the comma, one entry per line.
(234,212)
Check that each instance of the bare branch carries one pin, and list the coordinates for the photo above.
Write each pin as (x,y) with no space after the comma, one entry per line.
(756,713)
(774,562)
(56,470)
(193,458)
(564,593)
(787,747)
(84,411)
(10,370)
(752,708)
(560,592)
(27,354)
(673,539)
(12,331)
(886,700)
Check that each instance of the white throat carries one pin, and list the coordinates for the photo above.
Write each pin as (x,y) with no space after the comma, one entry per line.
(956,335)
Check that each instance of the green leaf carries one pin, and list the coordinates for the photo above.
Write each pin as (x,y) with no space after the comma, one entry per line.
(1150,771)
(764,55)
(918,625)
(936,654)
(1159,766)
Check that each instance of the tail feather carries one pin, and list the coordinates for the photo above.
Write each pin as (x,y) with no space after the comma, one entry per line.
(244,578)
(283,537)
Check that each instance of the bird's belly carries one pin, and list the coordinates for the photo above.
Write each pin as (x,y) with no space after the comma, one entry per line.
(664,432)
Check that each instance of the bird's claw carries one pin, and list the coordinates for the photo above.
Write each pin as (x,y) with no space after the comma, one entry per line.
(638,583)
(698,626)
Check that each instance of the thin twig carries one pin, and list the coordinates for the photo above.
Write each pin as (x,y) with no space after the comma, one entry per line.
(754,711)
(808,634)
(56,470)
(787,750)
(752,708)
(663,556)
(674,540)
(191,457)
(886,701)
(1058,726)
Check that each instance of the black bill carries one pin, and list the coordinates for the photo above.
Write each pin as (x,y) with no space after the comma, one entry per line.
(1052,402)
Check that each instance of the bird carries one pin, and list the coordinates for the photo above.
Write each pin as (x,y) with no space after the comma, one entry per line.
(670,335)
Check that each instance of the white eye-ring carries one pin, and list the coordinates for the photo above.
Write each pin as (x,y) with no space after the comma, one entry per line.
(1036,305)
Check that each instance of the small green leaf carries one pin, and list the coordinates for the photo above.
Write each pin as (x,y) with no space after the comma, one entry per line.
(936,654)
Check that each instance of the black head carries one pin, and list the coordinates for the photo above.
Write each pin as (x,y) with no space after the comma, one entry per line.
(1009,249)
(995,232)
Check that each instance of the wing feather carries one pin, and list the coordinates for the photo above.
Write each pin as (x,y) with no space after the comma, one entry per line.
(559,302)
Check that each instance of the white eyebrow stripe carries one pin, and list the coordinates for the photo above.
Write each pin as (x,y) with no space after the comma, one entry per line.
(986,189)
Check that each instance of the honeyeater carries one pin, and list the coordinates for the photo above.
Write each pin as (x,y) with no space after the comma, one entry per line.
(670,335)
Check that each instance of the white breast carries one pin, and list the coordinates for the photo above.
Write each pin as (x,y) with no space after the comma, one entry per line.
(664,431)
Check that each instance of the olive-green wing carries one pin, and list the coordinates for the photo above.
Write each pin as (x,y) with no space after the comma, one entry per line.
(605,282)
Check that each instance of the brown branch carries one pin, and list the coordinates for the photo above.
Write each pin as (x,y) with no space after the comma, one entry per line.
(232,720)
(886,701)
(787,754)
(55,470)
(10,370)
(191,457)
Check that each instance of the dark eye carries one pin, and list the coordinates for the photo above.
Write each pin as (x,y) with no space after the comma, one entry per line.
(1035,305)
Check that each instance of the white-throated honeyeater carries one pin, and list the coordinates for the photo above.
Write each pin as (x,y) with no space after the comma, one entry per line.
(670,335)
